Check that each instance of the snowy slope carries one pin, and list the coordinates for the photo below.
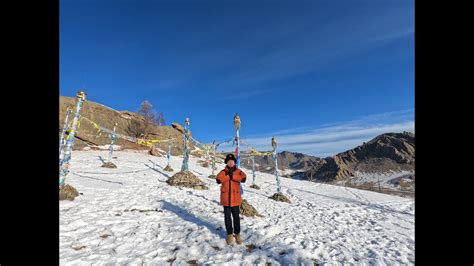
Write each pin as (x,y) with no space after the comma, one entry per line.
(129,215)
(387,179)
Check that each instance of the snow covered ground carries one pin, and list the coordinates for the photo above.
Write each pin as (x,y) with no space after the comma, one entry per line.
(129,215)
(103,147)
(387,180)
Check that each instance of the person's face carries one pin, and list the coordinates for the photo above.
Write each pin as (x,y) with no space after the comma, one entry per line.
(230,163)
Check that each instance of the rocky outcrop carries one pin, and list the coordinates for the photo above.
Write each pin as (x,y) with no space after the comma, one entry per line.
(87,135)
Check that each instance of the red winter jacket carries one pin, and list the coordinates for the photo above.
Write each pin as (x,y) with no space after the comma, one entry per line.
(230,188)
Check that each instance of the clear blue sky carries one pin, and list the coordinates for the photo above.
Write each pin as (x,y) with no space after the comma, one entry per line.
(322,76)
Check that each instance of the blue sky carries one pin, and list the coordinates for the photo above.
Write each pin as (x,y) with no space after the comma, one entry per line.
(322,76)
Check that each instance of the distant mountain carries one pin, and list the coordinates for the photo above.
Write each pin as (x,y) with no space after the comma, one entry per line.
(289,161)
(388,159)
(386,152)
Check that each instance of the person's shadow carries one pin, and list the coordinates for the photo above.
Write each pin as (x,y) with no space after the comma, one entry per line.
(187,216)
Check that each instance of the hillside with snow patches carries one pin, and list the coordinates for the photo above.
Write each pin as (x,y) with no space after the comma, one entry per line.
(130,215)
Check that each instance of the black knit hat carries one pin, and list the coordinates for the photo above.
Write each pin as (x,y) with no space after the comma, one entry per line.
(229,156)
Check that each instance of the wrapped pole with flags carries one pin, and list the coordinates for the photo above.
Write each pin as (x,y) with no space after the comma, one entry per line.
(185,166)
(237,148)
(253,170)
(64,164)
(275,158)
(168,155)
(113,137)
(62,140)
(213,163)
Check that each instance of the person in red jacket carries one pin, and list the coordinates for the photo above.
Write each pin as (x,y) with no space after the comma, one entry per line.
(230,179)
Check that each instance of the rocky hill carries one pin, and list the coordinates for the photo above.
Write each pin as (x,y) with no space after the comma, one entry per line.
(87,134)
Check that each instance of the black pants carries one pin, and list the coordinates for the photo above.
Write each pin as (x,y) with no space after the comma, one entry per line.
(228,221)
